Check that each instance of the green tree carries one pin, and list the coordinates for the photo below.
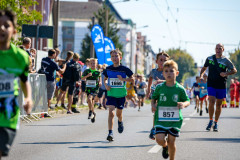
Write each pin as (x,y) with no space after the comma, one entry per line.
(112,31)
(185,63)
(24,12)
(235,58)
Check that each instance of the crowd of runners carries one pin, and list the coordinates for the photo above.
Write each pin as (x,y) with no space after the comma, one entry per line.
(119,85)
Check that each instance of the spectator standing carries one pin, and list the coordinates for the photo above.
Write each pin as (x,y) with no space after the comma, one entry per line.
(70,77)
(237,91)
(48,66)
(233,90)
(27,45)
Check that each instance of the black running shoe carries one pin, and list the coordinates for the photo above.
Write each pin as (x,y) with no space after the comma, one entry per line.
(74,110)
(52,108)
(110,137)
(63,106)
(120,127)
(152,134)
(141,103)
(201,113)
(94,117)
(206,110)
(165,152)
(90,115)
(215,127)
(209,125)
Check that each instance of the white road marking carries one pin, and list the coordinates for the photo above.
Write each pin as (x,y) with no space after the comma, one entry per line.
(193,113)
(183,124)
(186,119)
(155,149)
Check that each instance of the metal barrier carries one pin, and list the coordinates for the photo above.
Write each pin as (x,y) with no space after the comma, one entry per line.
(39,96)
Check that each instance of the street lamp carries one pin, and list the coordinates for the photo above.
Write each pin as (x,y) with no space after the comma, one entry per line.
(146,26)
(120,1)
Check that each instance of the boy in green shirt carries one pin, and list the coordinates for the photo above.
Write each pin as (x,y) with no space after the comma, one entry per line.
(14,64)
(115,80)
(93,81)
(168,99)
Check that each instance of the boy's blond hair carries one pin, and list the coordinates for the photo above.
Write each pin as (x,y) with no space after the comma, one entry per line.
(87,60)
(116,51)
(99,66)
(76,56)
(93,59)
(104,66)
(170,63)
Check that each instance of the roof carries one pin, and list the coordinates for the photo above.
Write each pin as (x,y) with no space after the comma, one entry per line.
(78,10)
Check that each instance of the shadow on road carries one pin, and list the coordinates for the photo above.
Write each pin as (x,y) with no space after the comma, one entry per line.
(208,117)
(226,140)
(57,125)
(111,147)
(64,142)
(192,131)
(143,132)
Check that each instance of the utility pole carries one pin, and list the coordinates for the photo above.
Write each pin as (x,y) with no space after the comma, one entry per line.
(131,48)
(56,7)
(92,55)
(106,22)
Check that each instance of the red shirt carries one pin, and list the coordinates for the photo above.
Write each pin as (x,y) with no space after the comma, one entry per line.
(233,89)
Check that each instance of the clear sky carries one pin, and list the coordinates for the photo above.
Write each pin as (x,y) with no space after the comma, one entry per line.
(198,22)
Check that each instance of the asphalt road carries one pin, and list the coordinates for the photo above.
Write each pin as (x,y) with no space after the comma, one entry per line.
(75,137)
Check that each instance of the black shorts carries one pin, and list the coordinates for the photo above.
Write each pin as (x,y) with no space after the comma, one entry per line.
(141,95)
(100,93)
(70,85)
(83,86)
(117,102)
(171,131)
(7,136)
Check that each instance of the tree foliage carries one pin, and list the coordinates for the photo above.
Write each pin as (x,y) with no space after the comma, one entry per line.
(112,31)
(235,58)
(185,63)
(24,12)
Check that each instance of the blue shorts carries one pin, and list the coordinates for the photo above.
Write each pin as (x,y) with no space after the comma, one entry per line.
(218,93)
(196,94)
(117,102)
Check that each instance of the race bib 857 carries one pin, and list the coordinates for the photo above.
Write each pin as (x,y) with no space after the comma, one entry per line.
(168,113)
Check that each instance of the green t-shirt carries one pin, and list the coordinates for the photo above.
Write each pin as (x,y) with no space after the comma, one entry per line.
(168,97)
(15,63)
(92,83)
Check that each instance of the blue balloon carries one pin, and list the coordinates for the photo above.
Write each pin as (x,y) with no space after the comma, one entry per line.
(98,42)
(109,45)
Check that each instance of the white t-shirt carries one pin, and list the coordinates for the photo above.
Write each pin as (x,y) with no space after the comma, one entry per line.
(141,90)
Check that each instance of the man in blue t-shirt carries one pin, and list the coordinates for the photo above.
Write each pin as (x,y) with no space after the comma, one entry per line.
(48,66)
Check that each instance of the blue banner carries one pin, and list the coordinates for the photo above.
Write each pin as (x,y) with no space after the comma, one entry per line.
(108,47)
(98,42)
